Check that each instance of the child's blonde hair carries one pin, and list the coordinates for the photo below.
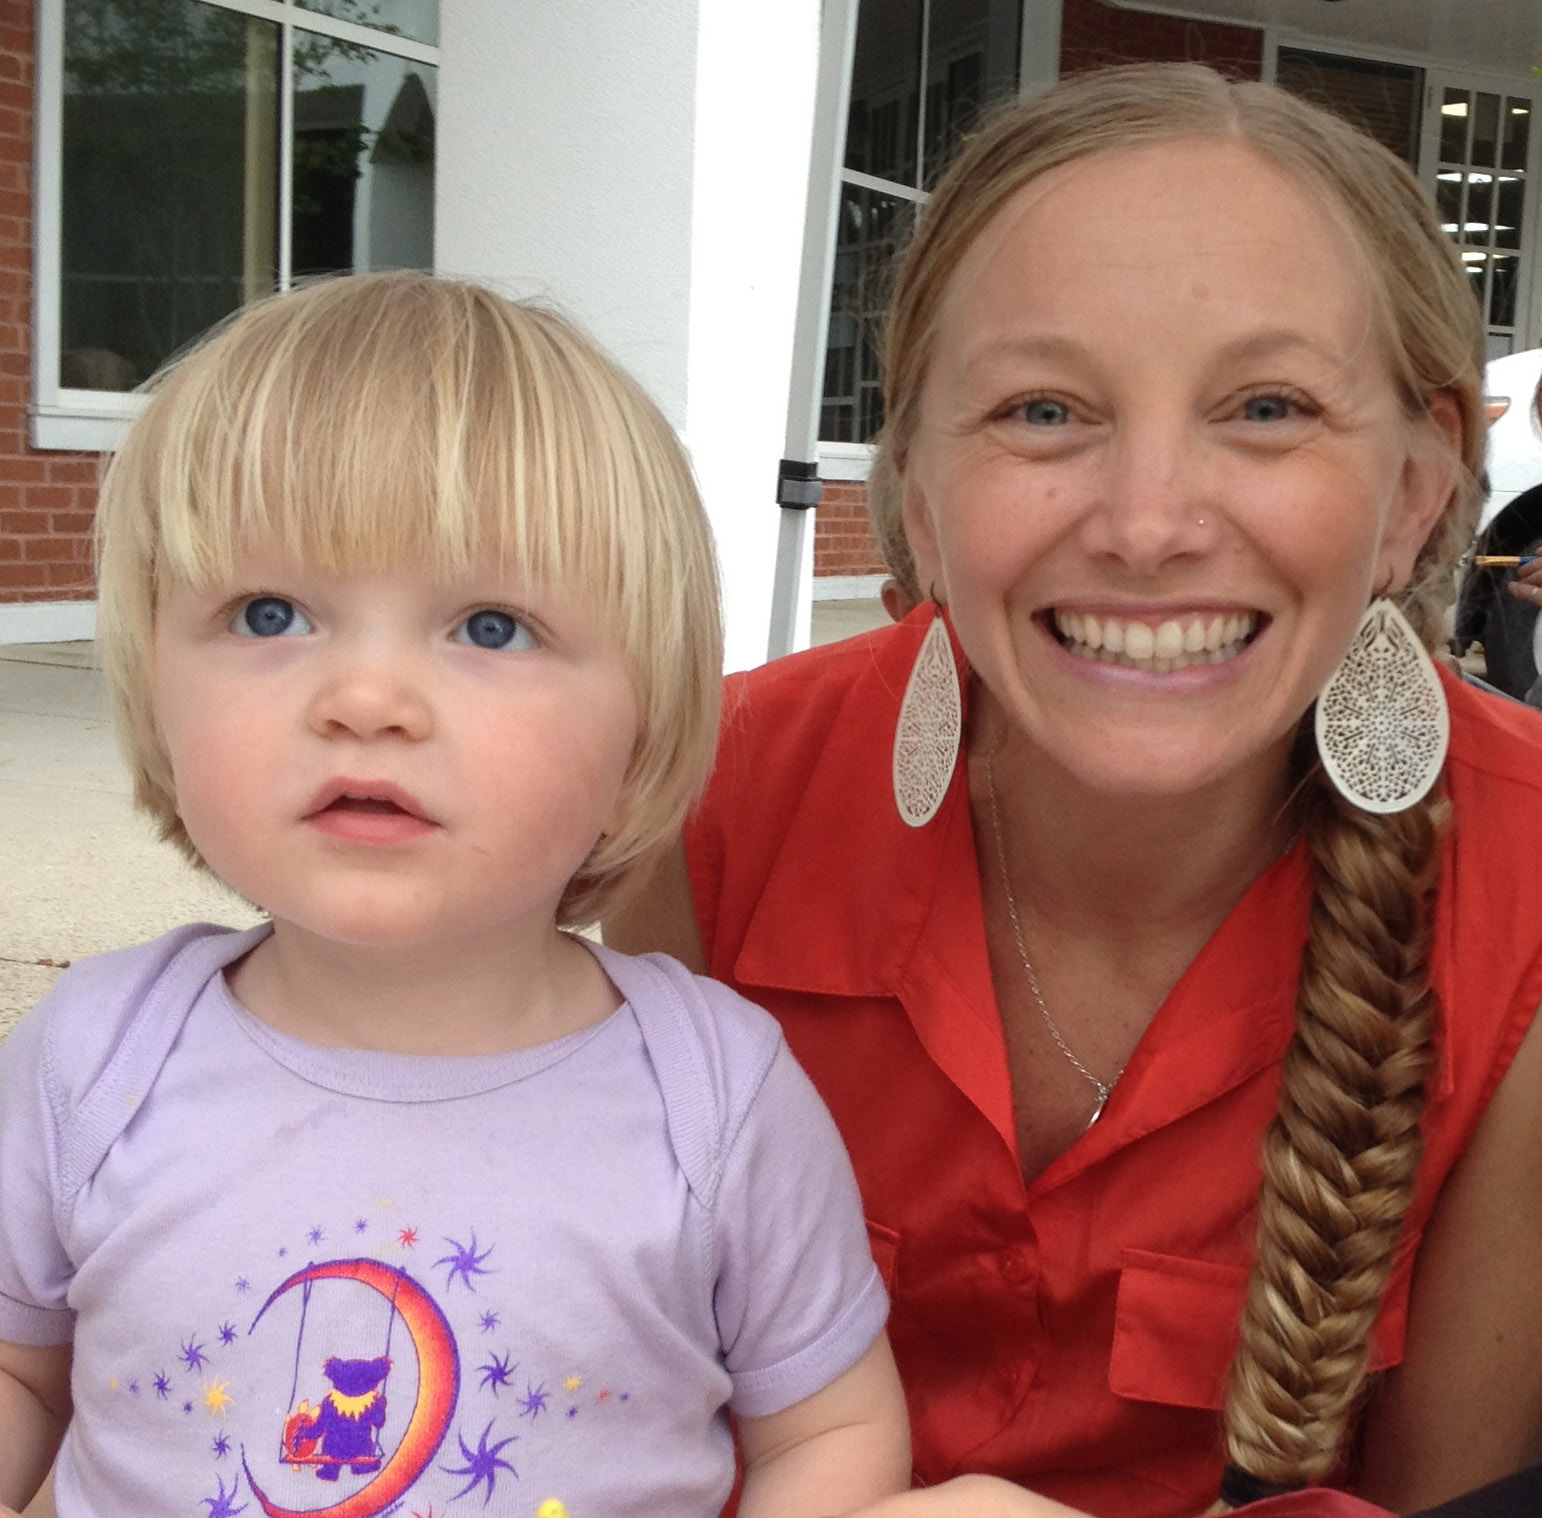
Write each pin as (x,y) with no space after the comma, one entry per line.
(383,419)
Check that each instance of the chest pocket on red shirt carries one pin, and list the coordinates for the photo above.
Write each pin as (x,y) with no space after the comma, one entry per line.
(1175,1329)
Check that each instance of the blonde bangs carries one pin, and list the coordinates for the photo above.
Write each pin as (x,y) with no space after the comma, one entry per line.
(388,420)
(373,421)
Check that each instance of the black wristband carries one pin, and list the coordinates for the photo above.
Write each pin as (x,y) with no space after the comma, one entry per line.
(1240,1487)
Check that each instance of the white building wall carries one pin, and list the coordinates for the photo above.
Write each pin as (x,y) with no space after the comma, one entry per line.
(644,165)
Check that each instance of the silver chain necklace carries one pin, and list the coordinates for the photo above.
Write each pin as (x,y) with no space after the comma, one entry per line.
(1104,1089)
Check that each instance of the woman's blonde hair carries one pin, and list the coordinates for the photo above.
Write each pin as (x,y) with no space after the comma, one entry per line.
(1340,1157)
(386,419)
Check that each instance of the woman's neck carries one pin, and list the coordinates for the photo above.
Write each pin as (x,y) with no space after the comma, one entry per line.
(1129,864)
(455,997)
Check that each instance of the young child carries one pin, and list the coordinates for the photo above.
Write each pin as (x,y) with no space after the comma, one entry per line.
(413,1197)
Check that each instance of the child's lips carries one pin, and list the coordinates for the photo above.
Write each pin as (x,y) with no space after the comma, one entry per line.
(368,811)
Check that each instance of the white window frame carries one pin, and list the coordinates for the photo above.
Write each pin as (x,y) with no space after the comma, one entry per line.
(1038,67)
(1528,310)
(95,420)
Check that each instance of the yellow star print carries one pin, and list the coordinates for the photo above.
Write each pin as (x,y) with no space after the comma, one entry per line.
(551,1508)
(216,1398)
(572,1383)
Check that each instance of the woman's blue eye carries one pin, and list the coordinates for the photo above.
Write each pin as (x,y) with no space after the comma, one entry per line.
(1268,408)
(1045,413)
(494,629)
(269,617)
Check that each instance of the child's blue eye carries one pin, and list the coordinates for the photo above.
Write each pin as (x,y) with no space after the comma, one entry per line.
(494,629)
(268,617)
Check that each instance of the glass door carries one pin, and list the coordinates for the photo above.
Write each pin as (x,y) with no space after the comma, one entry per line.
(1480,162)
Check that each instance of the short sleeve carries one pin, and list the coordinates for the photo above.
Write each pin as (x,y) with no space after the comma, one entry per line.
(35,1271)
(798,1298)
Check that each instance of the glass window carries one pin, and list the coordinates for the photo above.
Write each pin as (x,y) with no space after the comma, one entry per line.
(180,195)
(362,188)
(169,164)
(1480,193)
(872,228)
(418,19)
(922,73)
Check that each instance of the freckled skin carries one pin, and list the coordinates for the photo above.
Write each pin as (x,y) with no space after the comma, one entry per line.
(1105,427)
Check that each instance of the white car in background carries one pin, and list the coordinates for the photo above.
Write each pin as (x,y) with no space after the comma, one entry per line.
(1511,523)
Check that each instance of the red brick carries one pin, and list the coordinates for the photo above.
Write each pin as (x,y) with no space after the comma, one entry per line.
(23,524)
(75,578)
(72,469)
(49,497)
(71,523)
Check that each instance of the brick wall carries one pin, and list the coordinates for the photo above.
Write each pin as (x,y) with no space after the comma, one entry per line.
(1093,34)
(843,542)
(46,499)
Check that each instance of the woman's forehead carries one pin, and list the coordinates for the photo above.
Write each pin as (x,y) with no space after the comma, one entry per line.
(1161,233)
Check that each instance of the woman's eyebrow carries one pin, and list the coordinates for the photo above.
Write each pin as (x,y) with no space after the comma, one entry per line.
(1025,345)
(1278,342)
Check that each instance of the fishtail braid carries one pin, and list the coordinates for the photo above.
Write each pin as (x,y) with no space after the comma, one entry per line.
(1341,1155)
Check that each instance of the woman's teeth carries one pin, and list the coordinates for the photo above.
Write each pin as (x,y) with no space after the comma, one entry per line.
(1169,645)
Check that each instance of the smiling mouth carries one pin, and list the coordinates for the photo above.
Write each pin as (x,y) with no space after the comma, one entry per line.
(1155,646)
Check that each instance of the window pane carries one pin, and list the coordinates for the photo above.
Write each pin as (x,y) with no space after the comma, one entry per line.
(1516,124)
(1480,209)
(1485,129)
(1502,296)
(1507,226)
(1454,111)
(169,180)
(885,90)
(417,19)
(972,54)
(363,181)
(872,228)
(1383,99)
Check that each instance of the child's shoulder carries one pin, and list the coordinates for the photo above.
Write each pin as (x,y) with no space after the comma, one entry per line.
(711,1049)
(117,1007)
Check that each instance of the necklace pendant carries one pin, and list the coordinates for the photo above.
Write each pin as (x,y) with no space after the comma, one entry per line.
(1097,1111)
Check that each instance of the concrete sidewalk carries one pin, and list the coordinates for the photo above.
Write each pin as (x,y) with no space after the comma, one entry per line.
(80,870)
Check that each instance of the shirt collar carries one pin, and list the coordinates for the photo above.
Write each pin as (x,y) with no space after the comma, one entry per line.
(878,908)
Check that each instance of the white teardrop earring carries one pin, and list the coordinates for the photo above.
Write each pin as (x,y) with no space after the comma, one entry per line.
(931,722)
(1382,722)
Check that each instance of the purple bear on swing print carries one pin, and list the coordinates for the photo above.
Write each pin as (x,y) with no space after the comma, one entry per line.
(344,1429)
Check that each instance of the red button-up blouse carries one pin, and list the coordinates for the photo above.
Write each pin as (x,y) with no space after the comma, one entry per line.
(1072,1334)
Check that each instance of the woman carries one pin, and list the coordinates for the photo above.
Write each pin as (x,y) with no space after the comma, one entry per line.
(1192,1096)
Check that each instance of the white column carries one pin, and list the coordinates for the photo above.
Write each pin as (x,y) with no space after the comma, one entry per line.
(644,166)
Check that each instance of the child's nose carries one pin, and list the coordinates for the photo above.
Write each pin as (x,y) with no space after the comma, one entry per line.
(370,697)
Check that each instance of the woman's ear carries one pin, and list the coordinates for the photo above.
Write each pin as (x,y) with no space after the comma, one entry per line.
(1431,472)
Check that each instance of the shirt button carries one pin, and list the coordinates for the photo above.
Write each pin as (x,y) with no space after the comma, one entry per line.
(1016,1269)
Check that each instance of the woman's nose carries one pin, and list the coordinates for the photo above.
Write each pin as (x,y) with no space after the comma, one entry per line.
(1154,499)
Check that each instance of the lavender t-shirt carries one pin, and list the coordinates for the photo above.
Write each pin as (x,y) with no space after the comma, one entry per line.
(335,1281)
